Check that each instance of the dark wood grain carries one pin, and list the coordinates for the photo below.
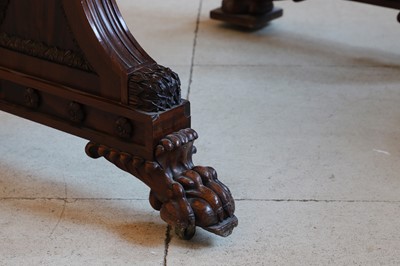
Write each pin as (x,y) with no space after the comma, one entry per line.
(73,65)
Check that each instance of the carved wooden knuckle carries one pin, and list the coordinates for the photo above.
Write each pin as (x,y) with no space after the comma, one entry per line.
(165,145)
(31,98)
(76,112)
(123,128)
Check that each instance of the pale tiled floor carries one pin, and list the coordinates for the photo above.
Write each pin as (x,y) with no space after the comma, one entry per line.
(300,119)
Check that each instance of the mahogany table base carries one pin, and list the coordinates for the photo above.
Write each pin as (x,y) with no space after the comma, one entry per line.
(255,14)
(73,65)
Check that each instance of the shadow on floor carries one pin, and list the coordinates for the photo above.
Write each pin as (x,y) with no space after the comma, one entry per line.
(119,216)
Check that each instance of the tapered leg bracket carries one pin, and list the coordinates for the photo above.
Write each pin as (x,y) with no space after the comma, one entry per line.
(186,195)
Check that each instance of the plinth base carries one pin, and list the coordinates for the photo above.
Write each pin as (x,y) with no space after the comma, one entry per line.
(252,22)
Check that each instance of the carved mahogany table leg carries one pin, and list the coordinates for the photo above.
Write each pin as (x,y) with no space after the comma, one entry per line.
(186,195)
(73,65)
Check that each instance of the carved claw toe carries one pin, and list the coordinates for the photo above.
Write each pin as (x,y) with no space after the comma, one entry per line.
(210,200)
(204,201)
(186,233)
(177,210)
(154,202)
(210,180)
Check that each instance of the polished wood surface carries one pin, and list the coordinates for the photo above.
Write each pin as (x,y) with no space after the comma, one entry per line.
(73,65)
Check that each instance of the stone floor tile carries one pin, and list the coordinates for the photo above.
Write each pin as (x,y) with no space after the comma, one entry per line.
(164,28)
(310,33)
(300,132)
(80,232)
(299,233)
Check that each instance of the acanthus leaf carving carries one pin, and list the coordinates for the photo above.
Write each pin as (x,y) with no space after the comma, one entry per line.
(154,88)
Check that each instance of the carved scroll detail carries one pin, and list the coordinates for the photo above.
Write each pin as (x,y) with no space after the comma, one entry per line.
(154,88)
(186,195)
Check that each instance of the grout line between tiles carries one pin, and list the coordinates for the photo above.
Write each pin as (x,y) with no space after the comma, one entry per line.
(59,219)
(321,200)
(63,208)
(196,33)
(295,65)
(69,200)
(166,244)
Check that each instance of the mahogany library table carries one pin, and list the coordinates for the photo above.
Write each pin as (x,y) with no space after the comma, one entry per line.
(73,65)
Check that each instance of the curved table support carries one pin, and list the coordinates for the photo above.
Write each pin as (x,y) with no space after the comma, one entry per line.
(73,65)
